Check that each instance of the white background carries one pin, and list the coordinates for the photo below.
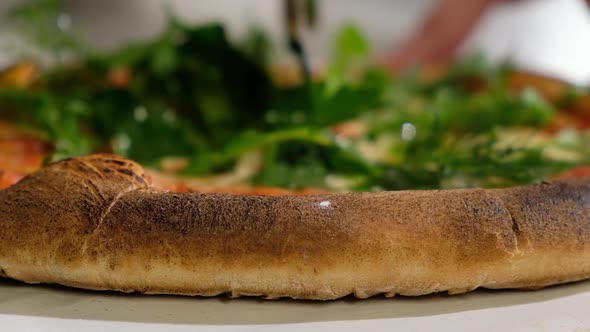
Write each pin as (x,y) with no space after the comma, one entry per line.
(549,36)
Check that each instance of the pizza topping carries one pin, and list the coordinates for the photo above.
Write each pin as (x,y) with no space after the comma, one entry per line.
(408,131)
(9,177)
(21,75)
(193,106)
(578,172)
(21,152)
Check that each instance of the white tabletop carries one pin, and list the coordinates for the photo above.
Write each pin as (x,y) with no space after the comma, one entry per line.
(43,308)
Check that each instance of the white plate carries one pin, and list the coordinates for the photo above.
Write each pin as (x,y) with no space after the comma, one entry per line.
(46,308)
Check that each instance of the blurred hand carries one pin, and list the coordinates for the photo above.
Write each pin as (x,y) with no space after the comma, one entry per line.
(436,41)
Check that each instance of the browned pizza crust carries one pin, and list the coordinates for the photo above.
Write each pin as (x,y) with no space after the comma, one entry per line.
(95,223)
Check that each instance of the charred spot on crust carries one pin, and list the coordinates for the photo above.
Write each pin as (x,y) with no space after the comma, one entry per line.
(62,161)
(114,161)
(126,171)
(129,172)
(139,179)
(83,168)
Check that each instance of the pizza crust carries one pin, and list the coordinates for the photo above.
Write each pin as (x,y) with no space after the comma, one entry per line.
(94,222)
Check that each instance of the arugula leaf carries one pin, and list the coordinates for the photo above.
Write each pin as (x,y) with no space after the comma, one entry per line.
(150,129)
(192,93)
(251,140)
(59,118)
(257,46)
(350,48)
(343,104)
(192,74)
(320,106)
(320,160)
(197,70)
(310,173)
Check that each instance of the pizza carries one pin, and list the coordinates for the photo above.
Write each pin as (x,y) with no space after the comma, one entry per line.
(188,165)
(95,222)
